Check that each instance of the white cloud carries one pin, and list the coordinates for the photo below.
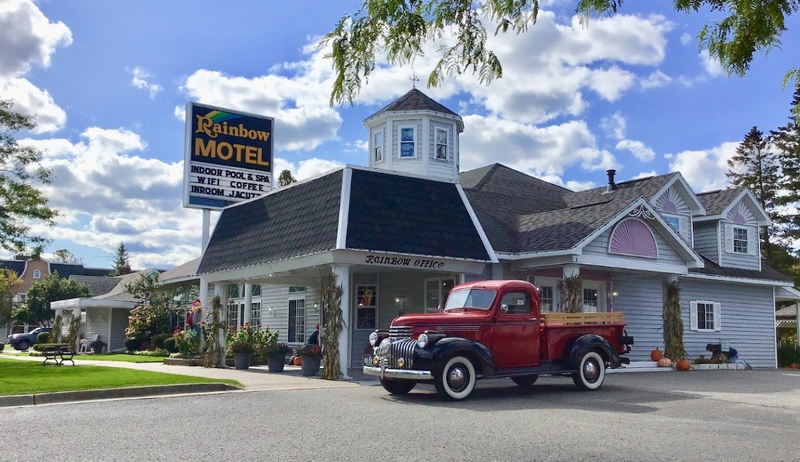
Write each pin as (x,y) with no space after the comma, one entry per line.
(638,149)
(305,168)
(686,39)
(614,126)
(656,79)
(31,100)
(28,37)
(645,174)
(711,64)
(704,169)
(141,79)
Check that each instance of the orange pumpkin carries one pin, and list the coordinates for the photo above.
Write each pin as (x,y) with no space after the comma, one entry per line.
(656,355)
(298,361)
(664,362)
(683,365)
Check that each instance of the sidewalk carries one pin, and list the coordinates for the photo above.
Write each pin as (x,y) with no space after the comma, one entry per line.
(255,379)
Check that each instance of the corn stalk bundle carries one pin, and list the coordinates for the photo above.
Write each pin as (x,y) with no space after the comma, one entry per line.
(214,353)
(673,325)
(571,295)
(333,323)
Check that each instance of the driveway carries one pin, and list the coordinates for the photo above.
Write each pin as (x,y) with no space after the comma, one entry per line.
(724,415)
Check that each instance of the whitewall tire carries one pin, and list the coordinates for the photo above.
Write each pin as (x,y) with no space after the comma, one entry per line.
(457,378)
(591,372)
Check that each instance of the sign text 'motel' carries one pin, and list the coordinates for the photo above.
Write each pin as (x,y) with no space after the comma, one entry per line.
(404,262)
(228,156)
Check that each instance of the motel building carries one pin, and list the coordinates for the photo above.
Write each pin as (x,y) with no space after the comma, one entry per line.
(399,234)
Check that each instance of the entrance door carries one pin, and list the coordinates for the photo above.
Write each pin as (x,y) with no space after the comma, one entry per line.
(436,292)
(516,332)
(365,322)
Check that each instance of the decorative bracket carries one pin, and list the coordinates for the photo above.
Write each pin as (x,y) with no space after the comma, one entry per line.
(642,212)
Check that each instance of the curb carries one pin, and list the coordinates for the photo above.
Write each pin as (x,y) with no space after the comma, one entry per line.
(112,393)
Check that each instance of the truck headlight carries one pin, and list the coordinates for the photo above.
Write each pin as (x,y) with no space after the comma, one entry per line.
(373,339)
(422,341)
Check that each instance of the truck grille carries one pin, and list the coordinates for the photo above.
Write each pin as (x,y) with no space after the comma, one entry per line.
(402,349)
(398,332)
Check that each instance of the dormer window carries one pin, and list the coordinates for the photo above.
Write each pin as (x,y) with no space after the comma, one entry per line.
(673,221)
(377,145)
(442,137)
(37,274)
(740,236)
(408,142)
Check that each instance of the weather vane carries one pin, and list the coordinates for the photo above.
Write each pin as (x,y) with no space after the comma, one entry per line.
(414,79)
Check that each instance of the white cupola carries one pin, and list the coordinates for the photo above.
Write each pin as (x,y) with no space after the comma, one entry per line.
(415,134)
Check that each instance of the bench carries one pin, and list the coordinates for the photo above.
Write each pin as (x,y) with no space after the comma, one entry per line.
(57,355)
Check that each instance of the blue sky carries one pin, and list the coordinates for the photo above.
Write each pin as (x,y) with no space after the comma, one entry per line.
(107,81)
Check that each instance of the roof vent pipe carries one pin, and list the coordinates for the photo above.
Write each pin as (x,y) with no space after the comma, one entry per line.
(611,184)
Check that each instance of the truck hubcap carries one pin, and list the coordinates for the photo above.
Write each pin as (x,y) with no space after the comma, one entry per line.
(590,370)
(457,378)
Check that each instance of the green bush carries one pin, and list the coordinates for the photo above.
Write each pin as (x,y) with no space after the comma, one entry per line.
(170,345)
(158,353)
(42,346)
(43,337)
(133,344)
(157,341)
(788,354)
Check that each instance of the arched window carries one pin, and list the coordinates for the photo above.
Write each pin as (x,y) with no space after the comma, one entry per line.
(633,237)
(37,274)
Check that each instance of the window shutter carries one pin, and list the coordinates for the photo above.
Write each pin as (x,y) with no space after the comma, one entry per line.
(693,315)
(752,241)
(729,238)
(717,317)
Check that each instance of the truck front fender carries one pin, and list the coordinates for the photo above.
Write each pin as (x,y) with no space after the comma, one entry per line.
(435,356)
(587,342)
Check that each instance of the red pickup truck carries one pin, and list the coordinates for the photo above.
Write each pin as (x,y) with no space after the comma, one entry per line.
(493,329)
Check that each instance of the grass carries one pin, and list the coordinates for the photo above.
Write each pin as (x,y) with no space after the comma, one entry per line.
(21,377)
(121,357)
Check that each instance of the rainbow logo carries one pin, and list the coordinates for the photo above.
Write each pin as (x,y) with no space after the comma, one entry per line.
(218,116)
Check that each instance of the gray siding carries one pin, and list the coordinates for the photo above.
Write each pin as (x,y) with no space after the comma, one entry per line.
(97,323)
(739,260)
(276,298)
(666,254)
(706,239)
(119,322)
(747,316)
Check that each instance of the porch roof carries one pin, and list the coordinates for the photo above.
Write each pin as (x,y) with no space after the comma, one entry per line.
(711,268)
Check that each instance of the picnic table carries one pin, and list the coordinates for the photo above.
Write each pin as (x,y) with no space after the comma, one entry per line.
(57,355)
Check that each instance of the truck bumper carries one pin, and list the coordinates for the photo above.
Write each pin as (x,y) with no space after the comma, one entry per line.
(402,374)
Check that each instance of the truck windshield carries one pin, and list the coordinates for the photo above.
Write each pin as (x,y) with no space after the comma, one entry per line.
(480,299)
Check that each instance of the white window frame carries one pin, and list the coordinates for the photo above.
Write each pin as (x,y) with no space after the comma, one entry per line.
(600,287)
(446,143)
(374,305)
(669,216)
(233,321)
(378,149)
(37,274)
(255,314)
(439,295)
(717,317)
(295,297)
(400,141)
(746,230)
(253,293)
(544,281)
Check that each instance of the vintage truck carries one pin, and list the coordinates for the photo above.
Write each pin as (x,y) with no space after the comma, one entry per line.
(493,329)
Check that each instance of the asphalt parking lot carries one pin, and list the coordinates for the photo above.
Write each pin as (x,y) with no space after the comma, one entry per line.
(725,415)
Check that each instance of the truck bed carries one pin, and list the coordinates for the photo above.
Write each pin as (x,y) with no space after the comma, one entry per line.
(558,329)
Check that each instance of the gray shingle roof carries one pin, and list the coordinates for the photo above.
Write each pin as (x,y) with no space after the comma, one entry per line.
(717,201)
(185,270)
(99,285)
(767,272)
(626,191)
(415,100)
(16,266)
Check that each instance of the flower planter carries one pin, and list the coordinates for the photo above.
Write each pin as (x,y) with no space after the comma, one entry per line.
(275,363)
(310,365)
(241,361)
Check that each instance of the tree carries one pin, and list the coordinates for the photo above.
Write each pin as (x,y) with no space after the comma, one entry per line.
(286,178)
(401,27)
(21,203)
(8,282)
(151,314)
(755,166)
(122,263)
(65,256)
(787,142)
(36,309)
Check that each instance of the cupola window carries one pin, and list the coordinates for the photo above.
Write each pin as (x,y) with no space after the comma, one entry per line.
(442,136)
(377,145)
(407,142)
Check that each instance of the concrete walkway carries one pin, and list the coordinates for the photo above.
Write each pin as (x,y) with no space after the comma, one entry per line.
(255,379)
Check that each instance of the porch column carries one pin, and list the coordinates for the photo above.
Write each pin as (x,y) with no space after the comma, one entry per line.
(205,302)
(248,301)
(342,275)
(220,289)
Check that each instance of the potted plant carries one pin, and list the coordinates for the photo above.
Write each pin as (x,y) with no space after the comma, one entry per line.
(242,352)
(276,357)
(311,357)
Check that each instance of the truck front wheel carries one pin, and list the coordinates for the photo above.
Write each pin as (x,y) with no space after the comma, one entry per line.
(398,387)
(591,372)
(457,378)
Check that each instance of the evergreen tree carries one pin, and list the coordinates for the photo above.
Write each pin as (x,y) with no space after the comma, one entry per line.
(786,140)
(755,166)
(286,178)
(122,263)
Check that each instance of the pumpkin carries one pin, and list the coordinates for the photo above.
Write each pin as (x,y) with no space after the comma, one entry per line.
(298,361)
(664,362)
(683,365)
(656,355)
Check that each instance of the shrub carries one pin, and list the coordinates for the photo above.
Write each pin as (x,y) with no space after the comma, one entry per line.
(2,345)
(43,337)
(158,353)
(241,347)
(157,341)
(787,355)
(133,344)
(170,345)
(42,346)
(188,342)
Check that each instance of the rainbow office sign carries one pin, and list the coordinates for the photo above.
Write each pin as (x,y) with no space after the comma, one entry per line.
(228,156)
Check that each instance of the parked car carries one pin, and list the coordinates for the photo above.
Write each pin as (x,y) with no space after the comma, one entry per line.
(493,329)
(24,341)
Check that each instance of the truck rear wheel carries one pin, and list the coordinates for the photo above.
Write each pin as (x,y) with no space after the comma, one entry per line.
(457,378)
(591,372)
(398,387)
(525,381)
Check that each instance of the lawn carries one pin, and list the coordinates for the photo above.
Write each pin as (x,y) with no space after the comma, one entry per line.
(20,377)
(121,357)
